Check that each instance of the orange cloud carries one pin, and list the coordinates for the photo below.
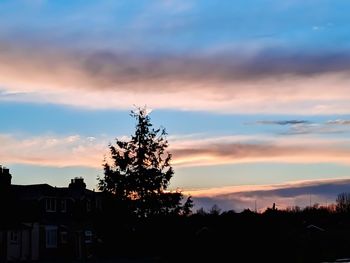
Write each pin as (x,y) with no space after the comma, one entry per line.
(52,151)
(77,150)
(213,153)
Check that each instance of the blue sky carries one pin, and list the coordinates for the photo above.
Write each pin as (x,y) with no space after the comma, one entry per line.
(250,92)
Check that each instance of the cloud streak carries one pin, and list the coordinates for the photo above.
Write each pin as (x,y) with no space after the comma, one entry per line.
(288,151)
(58,151)
(283,122)
(77,150)
(295,127)
(264,81)
(338,122)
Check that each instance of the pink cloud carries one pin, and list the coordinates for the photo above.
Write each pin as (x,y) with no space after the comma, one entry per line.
(199,153)
(222,83)
(77,150)
(56,151)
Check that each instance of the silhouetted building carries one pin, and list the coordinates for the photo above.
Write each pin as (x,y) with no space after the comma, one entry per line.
(5,177)
(41,222)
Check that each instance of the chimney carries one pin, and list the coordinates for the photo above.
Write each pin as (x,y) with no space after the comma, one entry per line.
(5,176)
(77,183)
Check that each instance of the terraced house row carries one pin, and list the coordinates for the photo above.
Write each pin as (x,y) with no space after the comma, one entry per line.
(41,222)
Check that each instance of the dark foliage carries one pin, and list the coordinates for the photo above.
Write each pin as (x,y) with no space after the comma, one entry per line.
(343,202)
(314,234)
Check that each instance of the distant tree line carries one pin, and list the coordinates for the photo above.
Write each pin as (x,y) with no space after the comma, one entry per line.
(341,206)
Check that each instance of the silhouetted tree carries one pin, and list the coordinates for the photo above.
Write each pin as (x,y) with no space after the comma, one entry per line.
(293,209)
(201,212)
(187,207)
(140,171)
(343,202)
(230,212)
(215,210)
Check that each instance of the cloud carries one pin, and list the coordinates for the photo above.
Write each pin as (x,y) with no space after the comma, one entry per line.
(199,153)
(299,193)
(297,127)
(58,151)
(76,150)
(328,127)
(233,81)
(338,122)
(283,122)
(314,128)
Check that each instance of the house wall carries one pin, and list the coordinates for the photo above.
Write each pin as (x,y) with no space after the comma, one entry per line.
(35,242)
(2,246)
(25,249)
(46,252)
(25,244)
(62,250)
(13,249)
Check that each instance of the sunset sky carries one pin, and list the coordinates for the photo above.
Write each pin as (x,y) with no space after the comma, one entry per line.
(254,94)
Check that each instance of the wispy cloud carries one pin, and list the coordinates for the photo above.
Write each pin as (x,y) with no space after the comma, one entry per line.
(298,127)
(245,149)
(212,82)
(59,151)
(283,122)
(338,122)
(77,150)
(235,152)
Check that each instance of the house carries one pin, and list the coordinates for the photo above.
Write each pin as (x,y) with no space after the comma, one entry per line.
(40,222)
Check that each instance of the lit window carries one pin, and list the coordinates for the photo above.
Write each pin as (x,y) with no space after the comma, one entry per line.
(88,236)
(51,236)
(13,237)
(63,205)
(50,204)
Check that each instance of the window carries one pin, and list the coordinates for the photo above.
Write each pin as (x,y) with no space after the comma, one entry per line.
(63,205)
(88,205)
(50,205)
(64,237)
(51,236)
(98,204)
(88,236)
(13,237)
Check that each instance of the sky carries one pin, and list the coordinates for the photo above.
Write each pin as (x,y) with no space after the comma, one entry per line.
(254,94)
